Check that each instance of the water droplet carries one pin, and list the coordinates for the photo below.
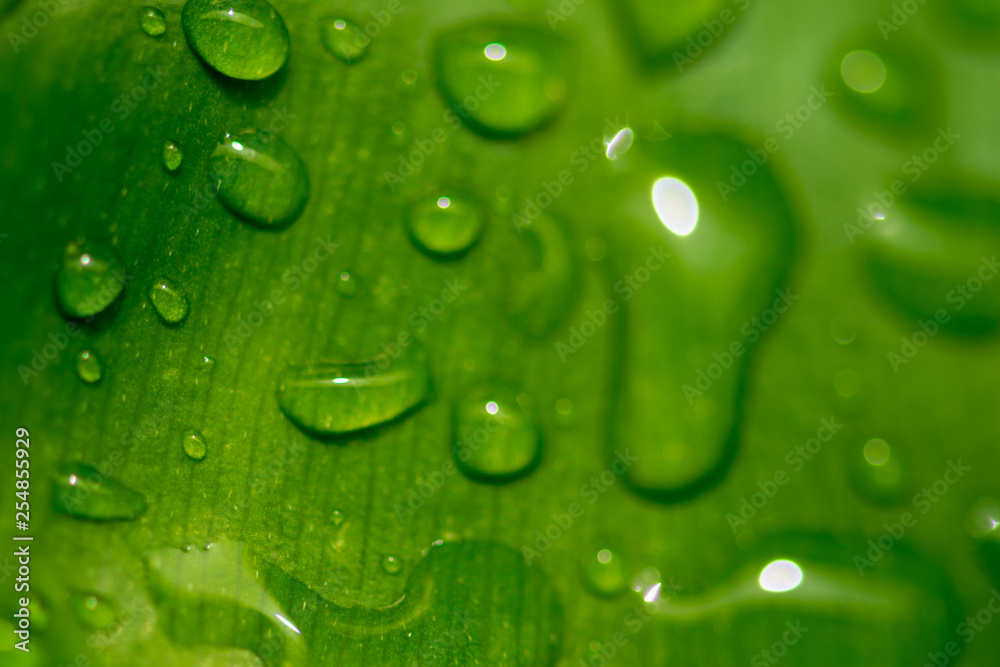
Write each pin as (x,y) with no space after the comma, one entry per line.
(82,491)
(194,444)
(847,382)
(604,572)
(496,437)
(542,297)
(152,22)
(527,73)
(596,249)
(172,156)
(346,285)
(877,473)
(329,398)
(682,379)
(95,611)
(206,364)
(89,279)
(392,565)
(618,145)
(843,330)
(662,32)
(243,39)
(337,518)
(265,180)
(984,519)
(88,367)
(169,302)
(863,71)
(344,39)
(445,225)
(565,412)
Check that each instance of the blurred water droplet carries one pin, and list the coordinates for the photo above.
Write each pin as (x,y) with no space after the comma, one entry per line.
(618,145)
(392,565)
(984,519)
(82,491)
(604,572)
(172,156)
(877,472)
(542,297)
(170,303)
(344,39)
(89,279)
(337,518)
(263,178)
(496,436)
(847,382)
(152,22)
(243,39)
(194,444)
(88,367)
(863,71)
(94,610)
(346,285)
(445,225)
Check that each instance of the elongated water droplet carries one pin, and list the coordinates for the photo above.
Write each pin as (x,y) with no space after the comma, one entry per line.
(82,491)
(152,22)
(262,178)
(89,279)
(445,225)
(503,80)
(618,145)
(243,39)
(170,303)
(88,367)
(344,39)
(392,564)
(195,445)
(172,156)
(346,285)
(94,610)
(330,398)
(604,572)
(496,436)
(542,297)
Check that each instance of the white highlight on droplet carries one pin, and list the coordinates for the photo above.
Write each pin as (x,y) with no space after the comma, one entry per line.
(492,408)
(780,576)
(341,380)
(675,204)
(495,51)
(619,144)
(444,202)
(653,594)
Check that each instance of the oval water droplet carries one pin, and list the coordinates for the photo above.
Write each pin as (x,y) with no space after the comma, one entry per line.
(152,22)
(876,471)
(170,303)
(445,225)
(82,491)
(172,156)
(331,398)
(94,610)
(604,572)
(89,278)
(88,367)
(496,436)
(503,80)
(344,39)
(195,445)
(392,564)
(618,145)
(346,285)
(243,39)
(262,178)
(542,297)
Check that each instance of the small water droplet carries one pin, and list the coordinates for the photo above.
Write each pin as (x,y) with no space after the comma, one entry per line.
(843,330)
(82,491)
(195,445)
(243,39)
(206,364)
(984,519)
(618,145)
(337,518)
(877,472)
(847,382)
(445,225)
(346,285)
(344,39)
(496,437)
(89,279)
(88,367)
(95,611)
(264,178)
(331,398)
(392,565)
(152,22)
(604,572)
(595,248)
(172,156)
(528,72)
(170,303)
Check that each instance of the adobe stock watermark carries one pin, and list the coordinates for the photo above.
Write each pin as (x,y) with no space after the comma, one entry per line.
(918,165)
(30,25)
(900,16)
(591,491)
(752,329)
(924,501)
(787,126)
(714,29)
(797,458)
(123,105)
(959,297)
(968,630)
(777,650)
(294,278)
(635,620)
(627,286)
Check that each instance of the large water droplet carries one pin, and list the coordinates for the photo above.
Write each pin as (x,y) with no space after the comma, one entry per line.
(604,572)
(89,279)
(542,297)
(243,39)
(503,80)
(152,22)
(445,225)
(170,303)
(496,436)
(195,445)
(88,367)
(329,398)
(265,180)
(344,39)
(172,156)
(82,491)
